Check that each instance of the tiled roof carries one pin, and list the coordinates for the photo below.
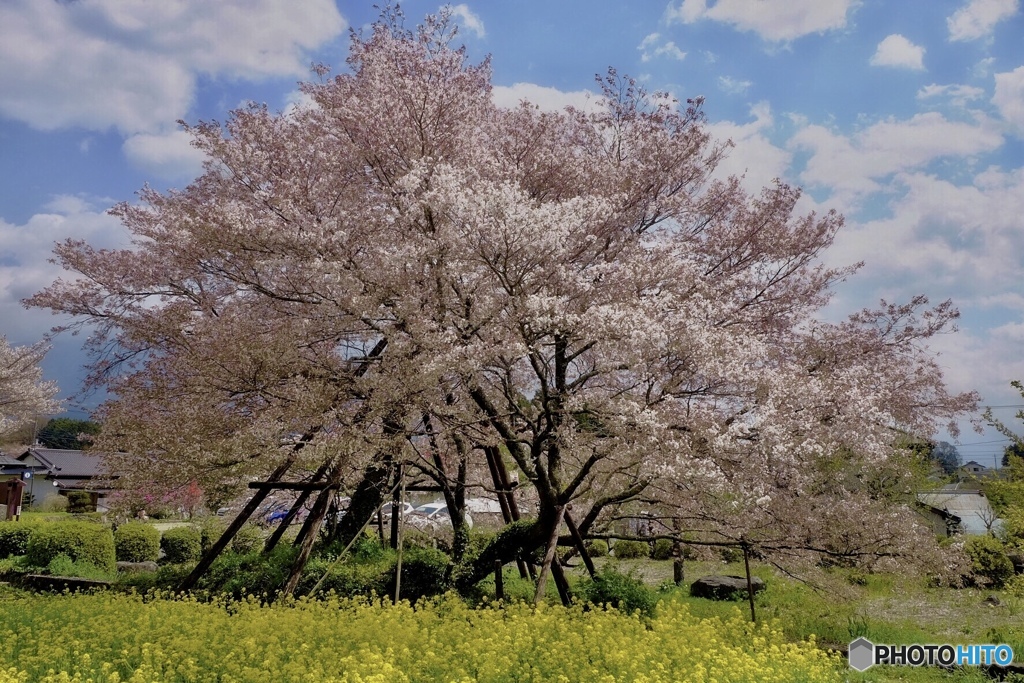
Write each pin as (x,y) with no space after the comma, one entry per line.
(66,463)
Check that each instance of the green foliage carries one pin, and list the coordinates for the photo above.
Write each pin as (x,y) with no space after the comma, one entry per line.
(625,592)
(988,560)
(597,547)
(137,542)
(236,574)
(210,529)
(182,544)
(65,432)
(80,501)
(80,541)
(731,555)
(662,549)
(424,573)
(14,538)
(249,539)
(62,565)
(631,550)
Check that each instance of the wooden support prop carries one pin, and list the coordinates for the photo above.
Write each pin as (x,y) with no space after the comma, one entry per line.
(293,512)
(310,529)
(507,502)
(581,546)
(499,581)
(306,486)
(549,556)
(750,585)
(254,503)
(401,527)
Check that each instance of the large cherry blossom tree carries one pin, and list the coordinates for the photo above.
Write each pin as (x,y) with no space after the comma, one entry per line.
(402,271)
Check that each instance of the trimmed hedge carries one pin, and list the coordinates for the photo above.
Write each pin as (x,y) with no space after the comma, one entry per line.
(631,550)
(248,539)
(80,541)
(137,542)
(182,544)
(597,547)
(662,549)
(14,538)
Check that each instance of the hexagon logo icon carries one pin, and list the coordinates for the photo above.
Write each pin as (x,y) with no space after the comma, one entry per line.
(862,654)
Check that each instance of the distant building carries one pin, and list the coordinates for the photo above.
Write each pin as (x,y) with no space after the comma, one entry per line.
(969,506)
(51,472)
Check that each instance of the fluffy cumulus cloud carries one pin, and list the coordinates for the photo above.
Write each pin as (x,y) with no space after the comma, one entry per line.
(468,20)
(977,18)
(896,50)
(25,250)
(754,156)
(953,240)
(851,166)
(133,64)
(548,99)
(773,20)
(1009,98)
(170,156)
(654,46)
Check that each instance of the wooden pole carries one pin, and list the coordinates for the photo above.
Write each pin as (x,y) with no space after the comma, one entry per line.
(750,585)
(581,546)
(499,581)
(254,503)
(294,511)
(549,556)
(401,525)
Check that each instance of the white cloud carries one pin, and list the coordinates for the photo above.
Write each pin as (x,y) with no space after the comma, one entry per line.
(732,85)
(852,165)
(25,251)
(774,20)
(548,99)
(170,156)
(959,95)
(895,50)
(652,46)
(1009,98)
(133,64)
(469,20)
(754,156)
(978,17)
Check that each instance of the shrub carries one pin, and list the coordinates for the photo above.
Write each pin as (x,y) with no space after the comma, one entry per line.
(210,529)
(80,501)
(182,544)
(62,565)
(14,538)
(597,547)
(625,592)
(80,541)
(54,504)
(255,574)
(424,573)
(988,560)
(137,542)
(631,550)
(731,555)
(662,549)
(249,539)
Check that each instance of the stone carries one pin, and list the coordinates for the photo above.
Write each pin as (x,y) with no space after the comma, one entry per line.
(137,567)
(723,587)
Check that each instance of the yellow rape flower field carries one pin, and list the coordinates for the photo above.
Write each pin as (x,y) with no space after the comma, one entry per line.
(117,638)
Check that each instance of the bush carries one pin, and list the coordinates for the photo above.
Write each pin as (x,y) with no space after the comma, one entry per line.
(80,541)
(62,565)
(988,560)
(14,538)
(249,539)
(631,550)
(625,592)
(182,544)
(597,547)
(662,549)
(137,542)
(255,574)
(424,573)
(80,501)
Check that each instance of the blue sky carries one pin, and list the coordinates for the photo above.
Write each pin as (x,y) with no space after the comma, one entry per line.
(906,116)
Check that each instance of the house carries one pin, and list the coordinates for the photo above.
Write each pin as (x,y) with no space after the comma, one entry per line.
(50,472)
(969,505)
(973,469)
(942,522)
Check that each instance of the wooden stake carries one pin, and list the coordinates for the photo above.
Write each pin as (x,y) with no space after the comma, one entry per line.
(750,585)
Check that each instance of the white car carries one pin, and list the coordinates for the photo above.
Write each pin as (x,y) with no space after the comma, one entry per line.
(435,514)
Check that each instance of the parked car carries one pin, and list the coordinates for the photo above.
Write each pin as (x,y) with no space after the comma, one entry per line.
(435,514)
